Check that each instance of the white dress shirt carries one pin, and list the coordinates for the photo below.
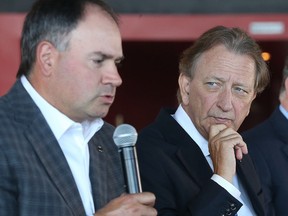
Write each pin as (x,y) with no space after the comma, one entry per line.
(234,189)
(283,111)
(73,139)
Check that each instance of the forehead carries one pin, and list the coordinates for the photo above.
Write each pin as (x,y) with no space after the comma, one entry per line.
(97,30)
(226,64)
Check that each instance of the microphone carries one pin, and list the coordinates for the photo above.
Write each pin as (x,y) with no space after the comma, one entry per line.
(125,137)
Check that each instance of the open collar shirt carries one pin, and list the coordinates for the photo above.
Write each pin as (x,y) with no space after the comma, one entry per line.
(73,138)
(234,189)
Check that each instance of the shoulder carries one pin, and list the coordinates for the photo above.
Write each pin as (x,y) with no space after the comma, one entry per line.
(108,127)
(163,125)
(260,132)
(106,131)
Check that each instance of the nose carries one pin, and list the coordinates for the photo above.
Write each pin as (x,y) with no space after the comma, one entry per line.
(225,100)
(111,76)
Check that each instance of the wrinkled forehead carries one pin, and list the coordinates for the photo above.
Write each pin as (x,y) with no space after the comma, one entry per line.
(224,63)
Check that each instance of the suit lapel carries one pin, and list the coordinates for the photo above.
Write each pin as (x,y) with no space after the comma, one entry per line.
(195,163)
(40,136)
(106,173)
(251,182)
(98,174)
(280,126)
(188,152)
(197,166)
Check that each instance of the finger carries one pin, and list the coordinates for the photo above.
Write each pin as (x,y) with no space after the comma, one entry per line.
(151,212)
(215,129)
(240,149)
(145,198)
(243,147)
(234,138)
(229,137)
(238,153)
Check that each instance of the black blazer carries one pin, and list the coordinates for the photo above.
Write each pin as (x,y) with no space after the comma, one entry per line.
(173,167)
(268,146)
(35,178)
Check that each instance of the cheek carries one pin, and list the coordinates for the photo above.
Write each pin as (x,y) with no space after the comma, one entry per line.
(77,77)
(208,103)
(73,84)
(241,111)
(200,105)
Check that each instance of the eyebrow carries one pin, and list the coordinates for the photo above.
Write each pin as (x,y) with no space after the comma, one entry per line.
(106,56)
(215,78)
(236,83)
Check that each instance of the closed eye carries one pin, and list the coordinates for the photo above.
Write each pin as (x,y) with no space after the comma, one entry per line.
(119,62)
(98,61)
(99,58)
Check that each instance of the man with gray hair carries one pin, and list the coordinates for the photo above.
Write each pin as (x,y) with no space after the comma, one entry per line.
(192,158)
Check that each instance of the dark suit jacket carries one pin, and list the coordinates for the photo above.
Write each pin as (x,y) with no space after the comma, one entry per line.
(268,146)
(35,178)
(174,168)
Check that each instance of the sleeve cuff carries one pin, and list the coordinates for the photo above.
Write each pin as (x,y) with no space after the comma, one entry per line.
(230,188)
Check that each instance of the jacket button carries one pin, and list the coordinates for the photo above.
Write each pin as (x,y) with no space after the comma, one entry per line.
(232,206)
(228,212)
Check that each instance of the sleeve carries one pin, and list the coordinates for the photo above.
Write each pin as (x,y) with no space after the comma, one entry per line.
(227,185)
(163,176)
(8,191)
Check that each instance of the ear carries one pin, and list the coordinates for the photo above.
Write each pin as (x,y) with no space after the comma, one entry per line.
(184,87)
(46,54)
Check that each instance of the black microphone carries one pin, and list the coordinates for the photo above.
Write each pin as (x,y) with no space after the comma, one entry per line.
(125,137)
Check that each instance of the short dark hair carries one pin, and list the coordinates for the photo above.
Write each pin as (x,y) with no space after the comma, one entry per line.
(52,20)
(234,39)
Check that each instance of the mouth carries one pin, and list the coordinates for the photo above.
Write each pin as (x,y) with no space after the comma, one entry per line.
(108,99)
(221,120)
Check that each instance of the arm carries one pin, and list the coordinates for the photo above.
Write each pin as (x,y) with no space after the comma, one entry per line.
(8,190)
(177,193)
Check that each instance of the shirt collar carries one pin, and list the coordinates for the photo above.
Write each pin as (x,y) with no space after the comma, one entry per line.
(57,121)
(184,120)
(283,111)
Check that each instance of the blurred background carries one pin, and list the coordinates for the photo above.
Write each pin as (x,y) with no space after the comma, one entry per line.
(155,32)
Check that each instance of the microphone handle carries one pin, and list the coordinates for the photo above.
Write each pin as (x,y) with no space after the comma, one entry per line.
(131,169)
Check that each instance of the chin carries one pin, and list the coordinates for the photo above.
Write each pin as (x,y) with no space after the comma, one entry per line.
(102,114)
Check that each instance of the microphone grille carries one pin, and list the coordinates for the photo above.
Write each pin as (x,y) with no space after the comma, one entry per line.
(125,135)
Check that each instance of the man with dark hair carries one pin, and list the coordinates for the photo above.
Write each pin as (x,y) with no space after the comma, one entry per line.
(57,155)
(192,158)
(268,146)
